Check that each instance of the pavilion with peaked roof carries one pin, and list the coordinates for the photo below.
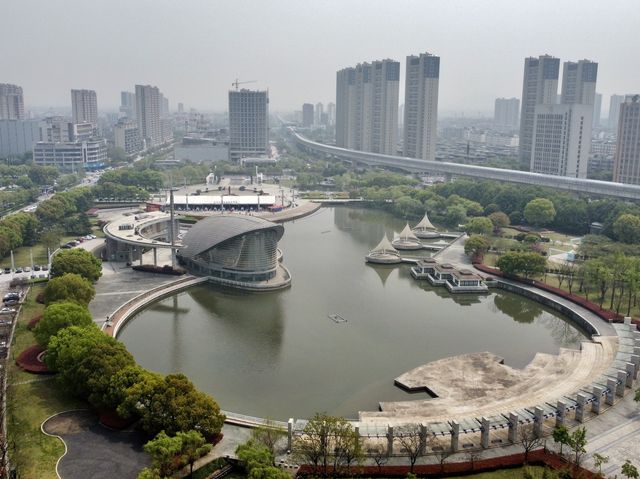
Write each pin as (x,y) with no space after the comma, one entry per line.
(425,229)
(384,253)
(407,240)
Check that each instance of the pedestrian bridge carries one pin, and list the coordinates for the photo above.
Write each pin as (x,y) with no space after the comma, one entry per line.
(577,185)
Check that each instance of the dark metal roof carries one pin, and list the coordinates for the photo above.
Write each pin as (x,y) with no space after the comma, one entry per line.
(211,231)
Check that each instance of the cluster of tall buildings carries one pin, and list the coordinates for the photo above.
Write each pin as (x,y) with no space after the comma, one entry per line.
(367,106)
(317,115)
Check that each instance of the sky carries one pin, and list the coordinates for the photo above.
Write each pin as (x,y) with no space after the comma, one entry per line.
(194,49)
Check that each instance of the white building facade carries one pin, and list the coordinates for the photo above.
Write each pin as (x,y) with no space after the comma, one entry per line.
(248,123)
(84,106)
(626,166)
(71,156)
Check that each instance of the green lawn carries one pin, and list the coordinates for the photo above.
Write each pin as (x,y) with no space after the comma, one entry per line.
(29,404)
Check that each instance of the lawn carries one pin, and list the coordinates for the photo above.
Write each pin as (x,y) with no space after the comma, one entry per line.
(30,403)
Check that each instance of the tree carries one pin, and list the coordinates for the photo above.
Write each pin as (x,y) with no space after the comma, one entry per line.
(627,228)
(577,443)
(455,215)
(561,436)
(121,381)
(407,207)
(599,460)
(479,225)
(529,440)
(476,245)
(60,315)
(629,470)
(172,404)
(539,212)
(380,456)
(527,264)
(257,460)
(412,443)
(193,447)
(268,434)
(149,473)
(499,220)
(69,287)
(51,237)
(66,351)
(78,261)
(165,453)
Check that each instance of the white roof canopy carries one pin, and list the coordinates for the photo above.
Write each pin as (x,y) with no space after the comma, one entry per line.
(424,224)
(384,246)
(407,234)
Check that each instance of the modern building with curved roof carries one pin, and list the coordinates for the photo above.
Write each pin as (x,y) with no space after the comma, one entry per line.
(239,251)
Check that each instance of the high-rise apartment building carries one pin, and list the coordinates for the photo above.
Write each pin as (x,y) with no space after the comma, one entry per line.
(331,114)
(579,82)
(539,87)
(317,114)
(367,107)
(11,102)
(248,123)
(148,109)
(421,106)
(507,112)
(127,137)
(307,115)
(84,106)
(614,110)
(597,109)
(128,104)
(626,166)
(18,136)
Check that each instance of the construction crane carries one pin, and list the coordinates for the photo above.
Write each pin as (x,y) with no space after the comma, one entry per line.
(237,82)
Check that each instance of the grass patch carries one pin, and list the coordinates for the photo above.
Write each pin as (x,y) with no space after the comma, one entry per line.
(28,404)
(516,473)
(22,255)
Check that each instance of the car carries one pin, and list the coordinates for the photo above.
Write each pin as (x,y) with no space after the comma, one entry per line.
(45,267)
(11,302)
(6,310)
(18,270)
(7,270)
(36,267)
(26,269)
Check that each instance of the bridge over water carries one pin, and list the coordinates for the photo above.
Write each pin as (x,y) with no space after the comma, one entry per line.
(577,185)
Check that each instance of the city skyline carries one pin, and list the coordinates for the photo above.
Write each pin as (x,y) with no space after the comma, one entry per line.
(146,51)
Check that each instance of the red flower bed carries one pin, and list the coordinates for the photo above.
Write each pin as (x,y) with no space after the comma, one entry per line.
(593,307)
(33,322)
(31,360)
(538,458)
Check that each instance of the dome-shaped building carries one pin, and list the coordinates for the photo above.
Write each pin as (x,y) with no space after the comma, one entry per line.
(235,250)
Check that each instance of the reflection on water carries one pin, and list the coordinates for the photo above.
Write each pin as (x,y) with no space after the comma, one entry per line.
(280,355)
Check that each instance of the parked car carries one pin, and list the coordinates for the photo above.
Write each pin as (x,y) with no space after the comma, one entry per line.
(26,269)
(6,310)
(18,270)
(36,267)
(7,270)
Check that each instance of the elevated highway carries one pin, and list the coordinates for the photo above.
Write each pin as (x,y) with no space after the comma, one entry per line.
(576,185)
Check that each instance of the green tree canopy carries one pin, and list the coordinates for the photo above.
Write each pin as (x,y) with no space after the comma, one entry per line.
(69,287)
(60,315)
(78,261)
(525,264)
(165,454)
(479,225)
(121,381)
(627,228)
(539,212)
(193,446)
(499,220)
(475,245)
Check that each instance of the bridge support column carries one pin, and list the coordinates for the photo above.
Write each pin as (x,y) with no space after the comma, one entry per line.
(455,435)
(423,439)
(611,386)
(622,381)
(635,359)
(561,409)
(290,434)
(598,392)
(513,427)
(484,435)
(631,372)
(390,441)
(582,400)
(539,419)
(155,256)
(627,320)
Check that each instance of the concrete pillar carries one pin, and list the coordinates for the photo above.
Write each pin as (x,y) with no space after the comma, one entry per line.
(141,253)
(612,386)
(539,418)
(635,360)
(389,440)
(290,434)
(582,400)
(513,427)
(455,435)
(155,256)
(636,351)
(561,409)
(627,320)
(622,380)
(598,391)
(636,335)
(423,439)
(484,435)
(631,372)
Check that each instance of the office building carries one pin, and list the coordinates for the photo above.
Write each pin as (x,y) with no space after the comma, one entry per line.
(84,106)
(148,114)
(579,82)
(18,136)
(626,168)
(318,114)
(164,106)
(11,102)
(420,125)
(128,104)
(248,123)
(307,115)
(367,107)
(614,110)
(597,109)
(331,114)
(539,87)
(127,136)
(180,108)
(71,156)
(82,131)
(507,112)
(56,129)
(561,139)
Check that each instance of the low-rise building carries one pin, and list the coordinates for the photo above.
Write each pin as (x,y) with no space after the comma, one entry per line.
(88,155)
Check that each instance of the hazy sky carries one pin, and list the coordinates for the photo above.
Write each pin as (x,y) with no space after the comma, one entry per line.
(193,49)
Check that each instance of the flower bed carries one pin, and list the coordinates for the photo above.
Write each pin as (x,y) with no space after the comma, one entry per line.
(31,360)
